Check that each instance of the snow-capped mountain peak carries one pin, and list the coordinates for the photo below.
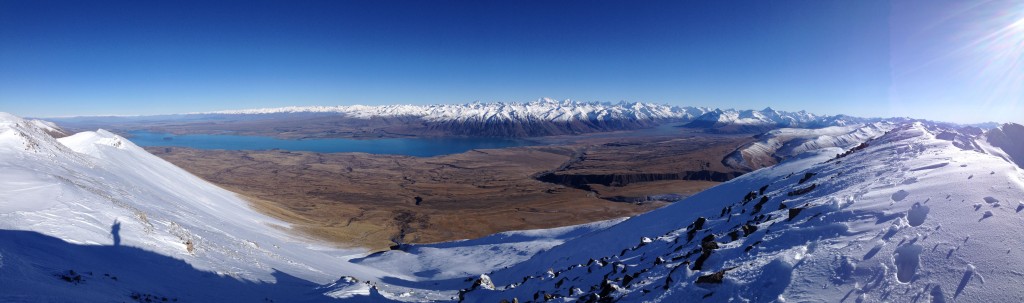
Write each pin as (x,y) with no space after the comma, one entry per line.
(544,109)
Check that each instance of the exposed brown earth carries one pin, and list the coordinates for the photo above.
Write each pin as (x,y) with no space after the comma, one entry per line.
(369,200)
(617,164)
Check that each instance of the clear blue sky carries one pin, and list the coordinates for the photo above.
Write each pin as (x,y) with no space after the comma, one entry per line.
(866,58)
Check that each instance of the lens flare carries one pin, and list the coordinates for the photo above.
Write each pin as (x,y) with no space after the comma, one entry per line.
(998,59)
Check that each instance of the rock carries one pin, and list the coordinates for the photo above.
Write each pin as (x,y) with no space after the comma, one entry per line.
(715,278)
(484,282)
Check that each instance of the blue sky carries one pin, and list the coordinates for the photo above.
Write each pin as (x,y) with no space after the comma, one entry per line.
(865,58)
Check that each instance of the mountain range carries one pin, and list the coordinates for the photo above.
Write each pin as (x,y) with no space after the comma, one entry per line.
(897,211)
(543,117)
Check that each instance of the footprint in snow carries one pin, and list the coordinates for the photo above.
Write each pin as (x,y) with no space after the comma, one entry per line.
(907,259)
(900,195)
(917,214)
(937,296)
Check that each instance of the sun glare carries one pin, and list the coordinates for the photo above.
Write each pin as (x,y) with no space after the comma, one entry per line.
(1019,25)
(998,61)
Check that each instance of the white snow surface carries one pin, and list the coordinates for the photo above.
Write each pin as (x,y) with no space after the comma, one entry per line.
(909,218)
(460,259)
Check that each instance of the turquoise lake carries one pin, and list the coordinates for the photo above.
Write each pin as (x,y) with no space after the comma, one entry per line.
(419,147)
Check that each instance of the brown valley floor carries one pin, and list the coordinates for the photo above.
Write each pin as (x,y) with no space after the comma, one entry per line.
(369,200)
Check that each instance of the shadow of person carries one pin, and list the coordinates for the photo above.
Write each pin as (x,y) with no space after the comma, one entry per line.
(115,230)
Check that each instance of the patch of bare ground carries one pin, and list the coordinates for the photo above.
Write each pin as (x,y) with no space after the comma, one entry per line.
(652,191)
(375,200)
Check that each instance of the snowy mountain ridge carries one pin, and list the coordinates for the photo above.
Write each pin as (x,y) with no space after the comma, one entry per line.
(544,109)
(776,145)
(731,121)
(543,117)
(547,109)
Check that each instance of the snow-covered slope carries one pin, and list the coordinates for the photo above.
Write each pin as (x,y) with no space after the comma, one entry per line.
(97,188)
(460,259)
(94,218)
(1010,139)
(779,144)
(50,128)
(754,121)
(910,216)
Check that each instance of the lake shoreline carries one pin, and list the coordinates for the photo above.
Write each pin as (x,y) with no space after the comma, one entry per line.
(416,146)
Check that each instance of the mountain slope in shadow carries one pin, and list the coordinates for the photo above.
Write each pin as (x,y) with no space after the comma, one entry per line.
(39,268)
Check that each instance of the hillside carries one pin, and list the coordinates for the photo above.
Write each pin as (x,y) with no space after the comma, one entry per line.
(85,201)
(908,216)
(1010,139)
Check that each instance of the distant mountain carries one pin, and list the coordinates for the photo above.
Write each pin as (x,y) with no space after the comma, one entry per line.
(541,110)
(1010,138)
(544,117)
(549,117)
(778,145)
(754,121)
